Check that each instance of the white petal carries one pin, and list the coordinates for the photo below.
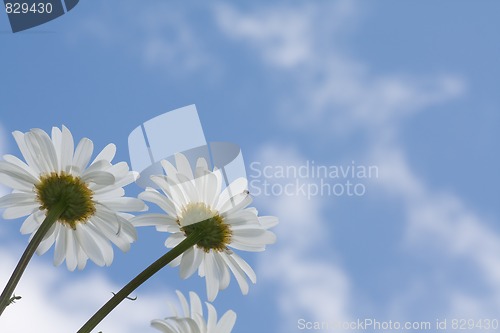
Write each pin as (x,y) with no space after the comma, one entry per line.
(176,262)
(100,165)
(184,303)
(160,200)
(17,162)
(253,236)
(82,257)
(42,151)
(82,156)
(15,212)
(244,266)
(246,247)
(29,225)
(195,301)
(183,166)
(17,172)
(174,240)
(13,199)
(130,178)
(161,182)
(39,216)
(104,246)
(21,143)
(57,143)
(268,221)
(128,229)
(201,167)
(147,220)
(119,170)
(163,326)
(200,321)
(71,249)
(67,149)
(226,323)
(48,147)
(238,273)
(89,245)
(124,204)
(48,239)
(116,223)
(178,192)
(244,217)
(238,186)
(211,276)
(99,177)
(60,248)
(15,183)
(170,170)
(168,228)
(209,187)
(188,188)
(108,192)
(112,233)
(225,277)
(212,318)
(191,260)
(109,216)
(235,204)
(107,154)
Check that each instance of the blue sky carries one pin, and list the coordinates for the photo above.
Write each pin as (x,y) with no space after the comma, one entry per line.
(409,87)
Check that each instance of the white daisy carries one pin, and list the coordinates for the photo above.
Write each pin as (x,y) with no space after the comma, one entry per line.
(192,321)
(54,171)
(227,222)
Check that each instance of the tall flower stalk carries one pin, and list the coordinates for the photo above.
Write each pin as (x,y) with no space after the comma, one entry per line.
(69,202)
(204,222)
(139,280)
(51,218)
(228,224)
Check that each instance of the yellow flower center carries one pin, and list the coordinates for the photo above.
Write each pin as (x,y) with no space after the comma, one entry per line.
(216,233)
(73,191)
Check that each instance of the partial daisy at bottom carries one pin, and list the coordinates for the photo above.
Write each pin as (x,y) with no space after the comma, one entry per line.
(95,206)
(192,319)
(197,202)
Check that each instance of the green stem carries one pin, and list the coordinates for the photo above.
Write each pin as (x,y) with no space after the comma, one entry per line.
(50,219)
(187,243)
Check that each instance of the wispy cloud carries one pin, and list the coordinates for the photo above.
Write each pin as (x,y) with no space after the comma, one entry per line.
(309,287)
(159,34)
(338,94)
(458,242)
(52,302)
(306,44)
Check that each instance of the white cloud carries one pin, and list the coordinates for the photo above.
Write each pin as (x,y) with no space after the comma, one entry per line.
(282,34)
(308,287)
(159,34)
(306,44)
(53,302)
(335,94)
(440,225)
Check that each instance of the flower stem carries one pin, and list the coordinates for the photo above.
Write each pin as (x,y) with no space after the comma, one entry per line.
(52,216)
(164,260)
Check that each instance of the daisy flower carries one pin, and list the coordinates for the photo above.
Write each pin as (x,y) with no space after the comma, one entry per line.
(228,222)
(56,172)
(192,321)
